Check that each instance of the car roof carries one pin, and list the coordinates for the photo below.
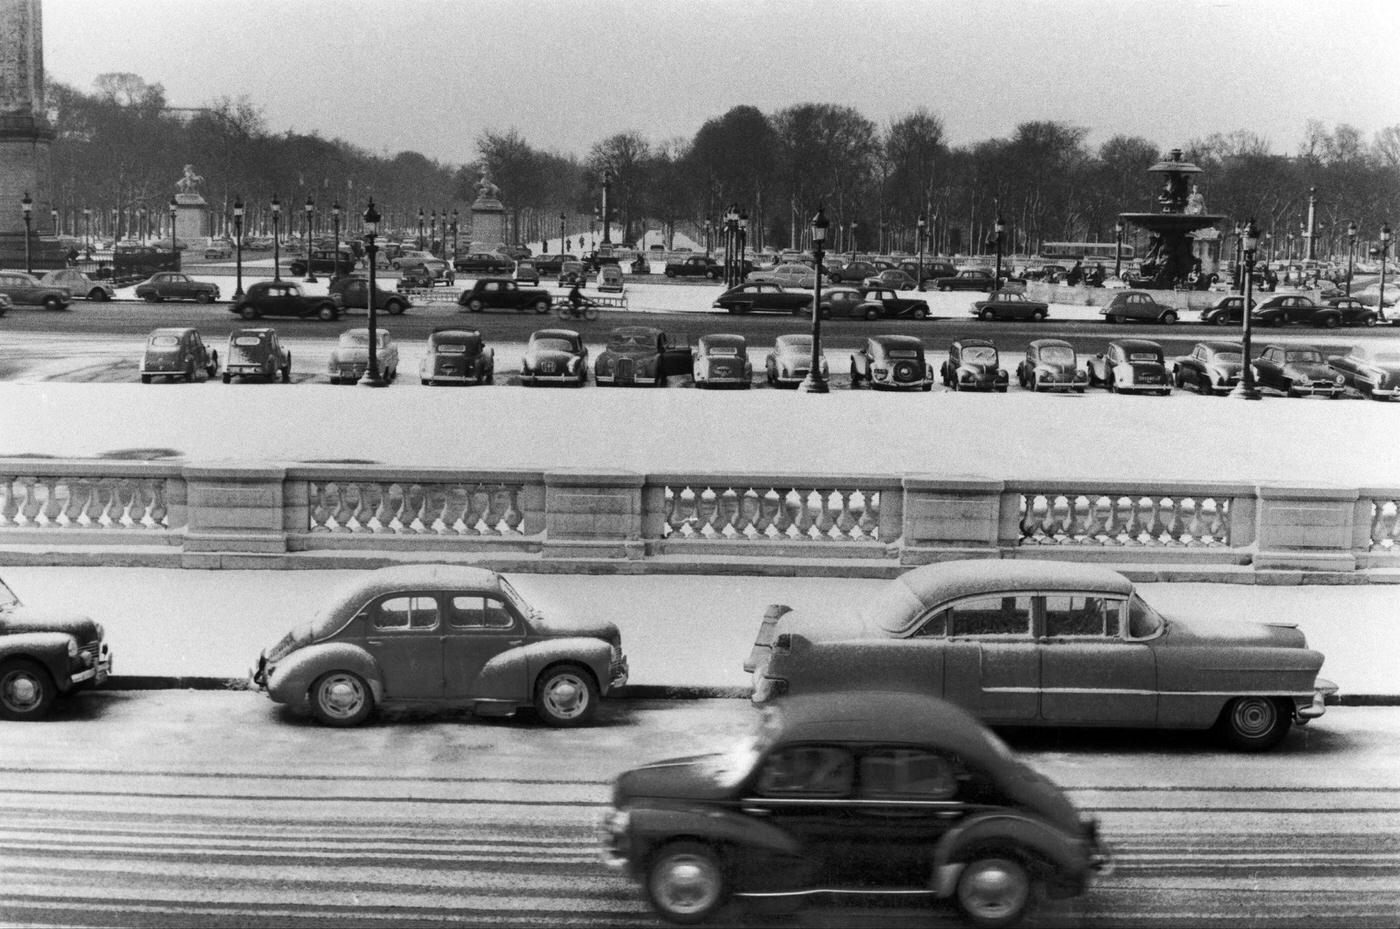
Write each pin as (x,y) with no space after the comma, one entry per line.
(884,717)
(897,341)
(633,331)
(1046,343)
(172,330)
(554,334)
(455,330)
(1142,345)
(969,343)
(722,338)
(352,594)
(1223,346)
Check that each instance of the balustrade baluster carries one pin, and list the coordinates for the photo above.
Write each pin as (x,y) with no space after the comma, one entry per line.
(1173,528)
(826,517)
(744,526)
(803,520)
(1385,520)
(706,511)
(159,511)
(1196,526)
(120,498)
(140,503)
(31,506)
(868,526)
(1048,527)
(51,507)
(676,516)
(772,513)
(845,519)
(1093,525)
(8,506)
(78,491)
(415,519)
(513,516)
(498,502)
(727,513)
(341,510)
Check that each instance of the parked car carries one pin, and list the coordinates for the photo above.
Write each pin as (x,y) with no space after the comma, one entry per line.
(751,297)
(1051,364)
(788,275)
(502,293)
(257,353)
(1008,304)
(407,256)
(841,300)
(571,273)
(353,292)
(1211,368)
(177,352)
(931,270)
(610,279)
(891,362)
(175,285)
(527,272)
(1130,366)
(722,360)
(850,271)
(967,279)
(640,356)
(1025,642)
(45,654)
(695,266)
(24,289)
(1284,309)
(457,355)
(554,356)
(893,278)
(870,792)
(1374,370)
(325,261)
(218,252)
(285,298)
(483,263)
(350,358)
(1354,312)
(550,264)
(1298,371)
(1138,305)
(789,361)
(483,647)
(1371,293)
(1227,311)
(884,303)
(79,284)
(973,364)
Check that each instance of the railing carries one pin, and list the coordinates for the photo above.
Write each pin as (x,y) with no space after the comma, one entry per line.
(766,513)
(407,508)
(1049,518)
(63,497)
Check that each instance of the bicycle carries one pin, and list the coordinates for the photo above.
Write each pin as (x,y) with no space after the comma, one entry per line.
(586,311)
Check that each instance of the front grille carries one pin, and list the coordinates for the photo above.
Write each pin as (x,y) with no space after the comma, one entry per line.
(626,368)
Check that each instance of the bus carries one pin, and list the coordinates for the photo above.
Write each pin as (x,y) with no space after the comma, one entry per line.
(1086,251)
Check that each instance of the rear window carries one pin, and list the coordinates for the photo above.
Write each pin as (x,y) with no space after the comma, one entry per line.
(451,348)
(902,353)
(1057,354)
(164,341)
(247,340)
(1144,357)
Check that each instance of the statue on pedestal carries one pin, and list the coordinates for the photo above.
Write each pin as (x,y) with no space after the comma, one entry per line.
(189,184)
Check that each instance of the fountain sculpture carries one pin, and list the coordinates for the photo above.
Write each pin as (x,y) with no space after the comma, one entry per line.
(1168,259)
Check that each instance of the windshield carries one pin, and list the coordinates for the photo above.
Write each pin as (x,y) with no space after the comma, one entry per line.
(1311,357)
(626,342)
(1057,354)
(517,601)
(553,345)
(164,341)
(1143,621)
(980,353)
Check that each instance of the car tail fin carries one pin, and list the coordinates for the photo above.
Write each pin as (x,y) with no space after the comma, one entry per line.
(767,631)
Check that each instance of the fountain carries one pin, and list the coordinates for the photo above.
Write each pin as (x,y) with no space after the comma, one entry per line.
(1168,259)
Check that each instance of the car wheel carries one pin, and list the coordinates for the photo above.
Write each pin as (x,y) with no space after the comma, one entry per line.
(1038,316)
(248,311)
(565,695)
(476,306)
(1114,318)
(1168,318)
(541,306)
(53,303)
(1331,322)
(920,313)
(871,313)
(227,377)
(855,378)
(212,368)
(994,891)
(26,690)
(189,371)
(394,307)
(326,313)
(98,295)
(203,297)
(341,698)
(1222,320)
(1253,724)
(1369,321)
(152,298)
(1177,379)
(145,378)
(686,883)
(287,372)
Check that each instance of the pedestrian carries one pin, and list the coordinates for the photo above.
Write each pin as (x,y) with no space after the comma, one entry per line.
(1076,275)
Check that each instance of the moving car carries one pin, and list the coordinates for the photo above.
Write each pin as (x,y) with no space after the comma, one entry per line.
(1211,368)
(1285,309)
(443,636)
(504,294)
(973,364)
(527,272)
(639,356)
(177,352)
(1227,311)
(790,360)
(884,303)
(893,278)
(857,270)
(354,294)
(457,355)
(865,793)
(551,264)
(79,284)
(1048,643)
(1137,305)
(695,266)
(554,356)
(1130,366)
(752,296)
(325,261)
(891,362)
(722,360)
(789,275)
(257,353)
(44,654)
(1374,370)
(967,279)
(350,358)
(610,279)
(1354,312)
(1051,364)
(1299,371)
(24,289)
(174,285)
(426,272)
(285,298)
(1007,304)
(483,263)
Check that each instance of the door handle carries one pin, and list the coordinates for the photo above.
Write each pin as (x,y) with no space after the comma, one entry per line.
(516,642)
(757,810)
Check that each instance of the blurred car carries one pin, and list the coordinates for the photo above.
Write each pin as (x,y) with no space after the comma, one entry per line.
(79,284)
(640,356)
(554,356)
(1353,311)
(350,358)
(893,278)
(257,353)
(931,270)
(24,289)
(441,636)
(841,300)
(457,355)
(802,805)
(1211,368)
(697,266)
(1371,293)
(973,364)
(503,293)
(1008,304)
(884,303)
(483,263)
(967,279)
(1023,642)
(1293,309)
(426,272)
(550,264)
(45,654)
(175,285)
(790,360)
(788,275)
(5,304)
(1298,371)
(353,292)
(1137,305)
(410,256)
(1051,364)
(756,296)
(891,362)
(285,298)
(722,360)
(850,272)
(1227,311)
(325,261)
(218,252)
(177,352)
(610,279)
(1374,370)
(572,272)
(1130,366)
(527,272)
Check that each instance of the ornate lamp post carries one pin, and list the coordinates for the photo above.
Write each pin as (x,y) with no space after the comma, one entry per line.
(335,226)
(731,230)
(853,240)
(454,237)
(1118,248)
(53,217)
(921,233)
(1000,228)
(174,243)
(1245,389)
(562,218)
(1239,248)
(814,382)
(276,239)
(607,186)
(1385,247)
(1351,252)
(743,246)
(420,232)
(238,246)
(310,207)
(87,232)
(26,206)
(709,242)
(371,376)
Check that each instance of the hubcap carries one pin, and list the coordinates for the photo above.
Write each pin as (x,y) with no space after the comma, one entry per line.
(1254,717)
(341,696)
(993,888)
(566,696)
(686,884)
(20,691)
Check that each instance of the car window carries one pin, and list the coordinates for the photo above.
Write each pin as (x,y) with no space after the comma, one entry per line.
(906,774)
(1008,615)
(808,770)
(1081,615)
(407,613)
(1143,621)
(478,612)
(164,341)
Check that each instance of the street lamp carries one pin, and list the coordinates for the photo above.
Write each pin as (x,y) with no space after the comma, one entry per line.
(276,239)
(26,207)
(1118,248)
(335,225)
(371,376)
(1245,389)
(921,233)
(53,215)
(432,232)
(238,246)
(708,251)
(853,240)
(999,227)
(87,232)
(1351,252)
(1385,246)
(174,243)
(814,382)
(454,237)
(562,218)
(743,246)
(310,207)
(731,229)
(1239,249)
(420,232)
(607,186)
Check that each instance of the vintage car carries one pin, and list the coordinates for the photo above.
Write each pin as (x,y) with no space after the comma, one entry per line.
(610,279)
(841,301)
(967,279)
(790,360)
(891,362)
(554,356)
(257,353)
(572,272)
(325,261)
(502,293)
(695,266)
(353,292)
(884,303)
(788,275)
(79,284)
(1023,642)
(444,636)
(851,271)
(1227,311)
(426,272)
(1354,312)
(1008,304)
(5,304)
(350,358)
(893,278)
(285,298)
(44,654)
(1298,371)
(174,285)
(1374,370)
(1137,305)
(218,252)
(1130,366)
(527,272)
(852,793)
(24,289)
(483,263)
(973,364)
(1051,364)
(1284,309)
(550,264)
(177,352)
(931,270)
(457,355)
(1211,368)
(751,297)
(639,356)
(722,360)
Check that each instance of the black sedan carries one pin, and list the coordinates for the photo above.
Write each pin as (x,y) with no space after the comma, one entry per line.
(1211,368)
(884,303)
(1372,369)
(1007,304)
(1227,311)
(1354,312)
(285,298)
(554,356)
(967,279)
(891,362)
(764,297)
(1298,371)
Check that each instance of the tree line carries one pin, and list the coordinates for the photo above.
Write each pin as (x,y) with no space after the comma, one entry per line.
(121,147)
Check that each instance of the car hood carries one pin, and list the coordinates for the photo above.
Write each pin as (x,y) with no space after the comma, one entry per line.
(569,626)
(688,778)
(1059,367)
(1309,370)
(1235,634)
(631,352)
(28,619)
(980,368)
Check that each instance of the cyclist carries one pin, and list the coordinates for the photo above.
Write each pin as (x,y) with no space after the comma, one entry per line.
(577,301)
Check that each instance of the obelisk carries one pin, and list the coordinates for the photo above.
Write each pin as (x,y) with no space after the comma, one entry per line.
(25,136)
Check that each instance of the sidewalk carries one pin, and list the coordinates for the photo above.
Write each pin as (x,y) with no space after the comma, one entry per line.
(683,633)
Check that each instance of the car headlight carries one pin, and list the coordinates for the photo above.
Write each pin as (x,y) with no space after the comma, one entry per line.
(72,647)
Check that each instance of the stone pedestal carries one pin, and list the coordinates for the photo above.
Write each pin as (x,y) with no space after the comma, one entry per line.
(234,510)
(488,230)
(25,137)
(595,514)
(1306,528)
(191,217)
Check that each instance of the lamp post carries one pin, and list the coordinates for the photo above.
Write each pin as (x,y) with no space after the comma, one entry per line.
(371,376)
(454,237)
(335,235)
(731,228)
(1118,248)
(743,246)
(1239,248)
(853,240)
(607,186)
(1385,246)
(921,233)
(999,227)
(53,216)
(814,382)
(276,239)
(420,231)
(310,207)
(238,246)
(1245,389)
(87,232)
(709,243)
(174,243)
(1311,228)
(1351,252)
(26,206)
(562,218)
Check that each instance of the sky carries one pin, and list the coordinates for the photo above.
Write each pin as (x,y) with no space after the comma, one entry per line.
(432,75)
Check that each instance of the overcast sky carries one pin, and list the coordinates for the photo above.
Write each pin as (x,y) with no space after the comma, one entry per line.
(431,75)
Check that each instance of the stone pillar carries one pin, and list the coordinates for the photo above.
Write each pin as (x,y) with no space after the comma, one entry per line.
(950,518)
(191,217)
(1306,528)
(25,137)
(488,217)
(594,514)
(237,515)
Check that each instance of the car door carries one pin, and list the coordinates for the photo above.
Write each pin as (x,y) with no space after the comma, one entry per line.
(992,663)
(1268,367)
(1089,675)
(404,634)
(805,790)
(908,798)
(480,629)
